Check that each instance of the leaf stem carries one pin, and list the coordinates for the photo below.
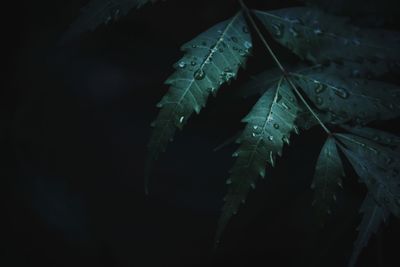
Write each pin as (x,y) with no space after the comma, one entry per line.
(280,66)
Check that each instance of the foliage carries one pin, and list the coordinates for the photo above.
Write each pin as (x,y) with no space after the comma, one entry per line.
(336,85)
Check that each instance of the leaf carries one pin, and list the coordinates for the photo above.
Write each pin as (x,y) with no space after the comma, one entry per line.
(378,168)
(269,125)
(380,137)
(327,178)
(373,216)
(352,100)
(212,59)
(316,36)
(98,12)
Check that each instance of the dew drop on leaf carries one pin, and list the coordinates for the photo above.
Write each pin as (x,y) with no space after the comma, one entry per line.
(245,29)
(181,119)
(317,31)
(278,30)
(276,125)
(320,88)
(342,93)
(294,32)
(247,44)
(182,64)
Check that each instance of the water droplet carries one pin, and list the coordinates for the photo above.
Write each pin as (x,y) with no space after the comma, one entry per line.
(108,19)
(270,138)
(182,64)
(342,93)
(320,88)
(228,181)
(235,154)
(355,41)
(245,29)
(319,100)
(294,32)
(276,125)
(278,30)
(247,44)
(317,31)
(181,119)
(253,185)
(199,74)
(193,63)
(356,73)
(255,127)
(194,46)
(254,134)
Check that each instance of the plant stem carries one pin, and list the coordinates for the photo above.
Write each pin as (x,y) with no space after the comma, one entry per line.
(280,66)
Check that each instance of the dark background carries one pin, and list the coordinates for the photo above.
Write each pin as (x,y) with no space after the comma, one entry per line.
(75,126)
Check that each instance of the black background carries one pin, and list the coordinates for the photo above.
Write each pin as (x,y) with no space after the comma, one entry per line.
(76,123)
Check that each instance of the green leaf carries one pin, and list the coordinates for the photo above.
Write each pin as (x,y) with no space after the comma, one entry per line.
(316,36)
(98,12)
(269,125)
(373,216)
(212,59)
(378,168)
(327,178)
(351,100)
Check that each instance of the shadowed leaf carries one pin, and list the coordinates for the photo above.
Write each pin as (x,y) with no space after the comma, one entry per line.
(327,178)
